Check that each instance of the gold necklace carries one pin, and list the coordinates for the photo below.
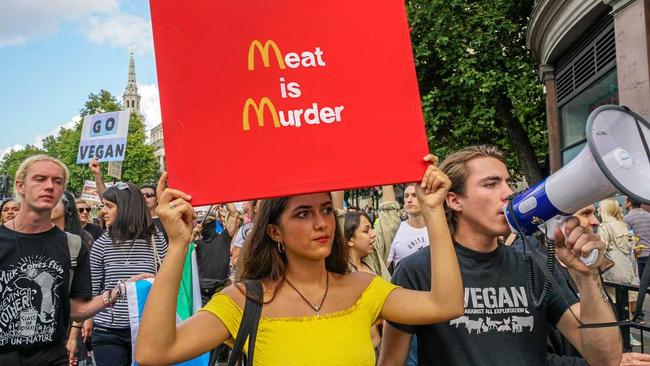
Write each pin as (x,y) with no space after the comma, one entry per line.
(316,308)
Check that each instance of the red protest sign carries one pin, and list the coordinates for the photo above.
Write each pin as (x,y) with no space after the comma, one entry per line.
(268,98)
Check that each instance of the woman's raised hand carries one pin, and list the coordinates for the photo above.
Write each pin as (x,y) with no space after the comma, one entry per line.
(176,213)
(432,191)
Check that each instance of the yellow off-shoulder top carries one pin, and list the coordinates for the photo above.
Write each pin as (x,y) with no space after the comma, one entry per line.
(339,338)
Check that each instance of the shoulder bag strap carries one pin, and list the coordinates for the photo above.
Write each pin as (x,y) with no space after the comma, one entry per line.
(249,323)
(74,246)
(156,258)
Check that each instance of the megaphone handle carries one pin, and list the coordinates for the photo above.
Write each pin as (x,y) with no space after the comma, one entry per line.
(559,221)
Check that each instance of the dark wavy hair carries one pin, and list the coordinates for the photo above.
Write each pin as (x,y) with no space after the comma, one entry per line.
(352,222)
(70,214)
(133,220)
(261,257)
(5,201)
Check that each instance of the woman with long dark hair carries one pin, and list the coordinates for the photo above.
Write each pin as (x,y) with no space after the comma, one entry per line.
(131,246)
(315,312)
(8,209)
(360,238)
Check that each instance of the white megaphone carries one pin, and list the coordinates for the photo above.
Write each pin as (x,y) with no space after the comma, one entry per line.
(616,159)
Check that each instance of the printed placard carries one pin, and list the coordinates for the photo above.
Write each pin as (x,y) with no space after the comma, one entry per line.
(89,191)
(103,136)
(263,105)
(115,169)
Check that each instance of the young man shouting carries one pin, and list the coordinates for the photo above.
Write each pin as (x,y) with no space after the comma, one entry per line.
(501,325)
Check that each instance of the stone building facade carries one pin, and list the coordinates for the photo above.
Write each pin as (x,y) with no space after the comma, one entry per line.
(591,52)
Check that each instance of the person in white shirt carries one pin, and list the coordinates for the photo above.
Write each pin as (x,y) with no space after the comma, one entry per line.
(412,233)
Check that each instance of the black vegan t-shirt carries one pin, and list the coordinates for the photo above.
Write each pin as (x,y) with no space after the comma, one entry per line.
(34,277)
(501,326)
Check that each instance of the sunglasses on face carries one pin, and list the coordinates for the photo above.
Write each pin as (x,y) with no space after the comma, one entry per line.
(149,195)
(81,209)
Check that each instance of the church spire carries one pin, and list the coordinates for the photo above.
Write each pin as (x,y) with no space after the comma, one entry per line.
(131,98)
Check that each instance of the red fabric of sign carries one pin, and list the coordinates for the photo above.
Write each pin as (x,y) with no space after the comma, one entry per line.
(342,88)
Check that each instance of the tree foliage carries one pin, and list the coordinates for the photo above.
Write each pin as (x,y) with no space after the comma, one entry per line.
(13,158)
(477,80)
(140,165)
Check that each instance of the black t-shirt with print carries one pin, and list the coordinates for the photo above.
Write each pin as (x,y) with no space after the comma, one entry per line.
(213,259)
(34,299)
(500,326)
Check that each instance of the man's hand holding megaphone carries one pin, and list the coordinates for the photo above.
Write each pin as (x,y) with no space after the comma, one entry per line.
(575,242)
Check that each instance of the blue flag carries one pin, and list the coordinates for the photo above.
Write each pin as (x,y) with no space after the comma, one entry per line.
(188,303)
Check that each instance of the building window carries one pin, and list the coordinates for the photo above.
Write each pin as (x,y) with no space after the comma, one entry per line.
(574,114)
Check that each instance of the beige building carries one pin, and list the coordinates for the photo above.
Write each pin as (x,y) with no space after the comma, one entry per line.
(591,52)
(156,139)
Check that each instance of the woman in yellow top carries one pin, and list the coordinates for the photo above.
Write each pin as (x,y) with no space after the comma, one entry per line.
(316,312)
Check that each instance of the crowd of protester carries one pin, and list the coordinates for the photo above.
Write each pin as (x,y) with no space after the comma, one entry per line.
(433,279)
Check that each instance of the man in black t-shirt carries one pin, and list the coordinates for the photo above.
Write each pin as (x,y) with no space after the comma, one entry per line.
(213,259)
(35,269)
(501,324)
(84,213)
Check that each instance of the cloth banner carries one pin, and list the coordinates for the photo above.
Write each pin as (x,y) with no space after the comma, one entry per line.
(187,304)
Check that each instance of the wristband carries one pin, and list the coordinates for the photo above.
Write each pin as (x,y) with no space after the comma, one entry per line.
(106,299)
(76,326)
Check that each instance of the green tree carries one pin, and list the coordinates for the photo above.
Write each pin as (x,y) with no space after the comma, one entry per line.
(13,158)
(477,80)
(101,102)
(140,165)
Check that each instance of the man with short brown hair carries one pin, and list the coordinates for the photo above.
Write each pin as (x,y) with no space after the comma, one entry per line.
(501,324)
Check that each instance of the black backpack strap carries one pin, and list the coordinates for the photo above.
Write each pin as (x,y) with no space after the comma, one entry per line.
(249,323)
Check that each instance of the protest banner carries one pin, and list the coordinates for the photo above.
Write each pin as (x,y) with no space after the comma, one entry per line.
(103,136)
(89,191)
(263,105)
(115,169)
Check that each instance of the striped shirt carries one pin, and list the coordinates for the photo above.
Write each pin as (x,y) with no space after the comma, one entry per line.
(110,263)
(638,220)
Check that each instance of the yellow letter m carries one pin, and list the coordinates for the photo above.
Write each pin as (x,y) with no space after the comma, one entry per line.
(264,51)
(259,112)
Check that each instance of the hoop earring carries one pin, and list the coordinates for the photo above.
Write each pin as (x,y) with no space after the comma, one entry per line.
(280,247)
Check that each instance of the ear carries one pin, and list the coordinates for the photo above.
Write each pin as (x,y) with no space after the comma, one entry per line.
(274,233)
(454,201)
(350,243)
(19,187)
